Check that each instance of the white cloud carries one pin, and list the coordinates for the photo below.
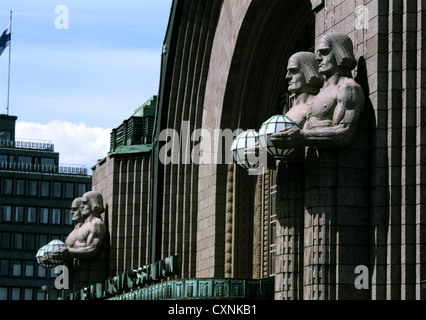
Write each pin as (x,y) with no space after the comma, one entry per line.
(77,144)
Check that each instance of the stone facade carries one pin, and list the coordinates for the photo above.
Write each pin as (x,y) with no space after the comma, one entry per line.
(309,223)
(124,181)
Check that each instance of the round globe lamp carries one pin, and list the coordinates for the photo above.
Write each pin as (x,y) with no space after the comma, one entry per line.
(273,125)
(244,140)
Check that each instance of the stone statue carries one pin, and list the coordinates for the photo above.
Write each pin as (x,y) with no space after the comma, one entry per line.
(304,82)
(332,118)
(320,213)
(77,219)
(86,239)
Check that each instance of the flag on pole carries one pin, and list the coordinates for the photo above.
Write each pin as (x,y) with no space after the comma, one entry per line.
(5,39)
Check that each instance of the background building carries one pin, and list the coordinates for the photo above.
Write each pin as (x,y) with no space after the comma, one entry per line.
(35,200)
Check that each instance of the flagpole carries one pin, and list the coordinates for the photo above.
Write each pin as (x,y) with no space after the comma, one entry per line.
(10,50)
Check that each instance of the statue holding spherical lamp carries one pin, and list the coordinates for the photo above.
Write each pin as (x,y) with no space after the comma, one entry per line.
(84,248)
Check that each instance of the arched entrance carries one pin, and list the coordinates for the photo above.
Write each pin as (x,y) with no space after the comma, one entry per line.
(246,85)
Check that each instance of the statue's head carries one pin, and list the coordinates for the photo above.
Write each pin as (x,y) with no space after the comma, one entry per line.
(75,210)
(335,50)
(92,203)
(302,73)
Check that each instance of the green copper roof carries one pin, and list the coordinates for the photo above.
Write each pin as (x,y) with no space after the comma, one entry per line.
(132,149)
(147,109)
(134,135)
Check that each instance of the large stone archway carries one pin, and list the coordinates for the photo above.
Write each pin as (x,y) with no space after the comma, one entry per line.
(244,86)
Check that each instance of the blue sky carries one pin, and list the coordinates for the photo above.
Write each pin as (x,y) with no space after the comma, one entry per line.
(79,83)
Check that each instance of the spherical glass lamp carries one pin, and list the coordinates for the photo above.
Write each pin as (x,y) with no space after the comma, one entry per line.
(44,254)
(50,247)
(244,140)
(41,259)
(273,125)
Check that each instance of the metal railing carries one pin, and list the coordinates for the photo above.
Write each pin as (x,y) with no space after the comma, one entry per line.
(72,169)
(45,168)
(44,145)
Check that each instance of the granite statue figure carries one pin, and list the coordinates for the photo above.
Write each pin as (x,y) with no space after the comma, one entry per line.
(304,83)
(332,119)
(77,219)
(86,240)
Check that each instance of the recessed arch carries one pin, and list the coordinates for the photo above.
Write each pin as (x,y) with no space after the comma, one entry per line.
(253,42)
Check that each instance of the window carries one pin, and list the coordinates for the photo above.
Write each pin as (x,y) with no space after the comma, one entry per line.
(53,295)
(4,267)
(5,240)
(45,188)
(17,268)
(53,274)
(42,240)
(68,218)
(40,294)
(57,189)
(3,293)
(20,187)
(28,294)
(29,269)
(32,188)
(16,293)
(48,161)
(41,272)
(69,190)
(81,189)
(31,241)
(24,162)
(18,242)
(7,185)
(7,213)
(3,161)
(31,215)
(48,164)
(44,215)
(19,214)
(56,216)
(24,159)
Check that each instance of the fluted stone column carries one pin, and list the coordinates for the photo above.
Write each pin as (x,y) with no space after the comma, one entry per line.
(289,242)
